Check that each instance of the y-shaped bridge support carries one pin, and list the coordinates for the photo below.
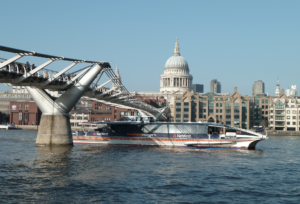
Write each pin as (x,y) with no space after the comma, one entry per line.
(55,128)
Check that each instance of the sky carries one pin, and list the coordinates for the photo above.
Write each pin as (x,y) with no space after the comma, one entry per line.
(236,42)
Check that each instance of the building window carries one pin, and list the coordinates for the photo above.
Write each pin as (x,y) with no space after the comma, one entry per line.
(262,112)
(287,117)
(178,109)
(294,117)
(204,110)
(186,110)
(220,116)
(26,116)
(178,115)
(266,112)
(263,101)
(266,101)
(263,107)
(294,123)
(294,112)
(217,110)
(178,104)
(221,110)
(221,104)
(288,112)
(266,107)
(20,107)
(185,103)
(217,105)
(185,115)
(26,107)
(204,116)
(20,116)
(279,105)
(288,123)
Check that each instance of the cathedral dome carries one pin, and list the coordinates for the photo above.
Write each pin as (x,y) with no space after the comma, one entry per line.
(176,61)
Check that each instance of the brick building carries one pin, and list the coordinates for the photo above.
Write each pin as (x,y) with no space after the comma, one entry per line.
(92,111)
(24,113)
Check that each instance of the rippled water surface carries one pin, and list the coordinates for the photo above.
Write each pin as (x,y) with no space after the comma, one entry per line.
(110,174)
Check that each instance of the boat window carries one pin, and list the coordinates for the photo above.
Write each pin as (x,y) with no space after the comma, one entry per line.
(214,130)
(104,128)
(194,129)
(188,129)
(155,128)
(151,119)
(180,129)
(202,129)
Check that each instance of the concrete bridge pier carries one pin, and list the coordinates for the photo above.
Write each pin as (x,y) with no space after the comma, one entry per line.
(55,128)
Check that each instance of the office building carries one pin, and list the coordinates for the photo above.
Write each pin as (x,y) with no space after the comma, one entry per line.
(233,110)
(258,88)
(292,92)
(198,88)
(284,113)
(215,86)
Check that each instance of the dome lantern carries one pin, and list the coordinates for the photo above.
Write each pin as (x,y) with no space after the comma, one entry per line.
(176,61)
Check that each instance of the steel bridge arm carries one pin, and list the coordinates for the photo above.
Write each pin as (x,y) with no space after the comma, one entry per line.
(56,76)
(28,74)
(7,62)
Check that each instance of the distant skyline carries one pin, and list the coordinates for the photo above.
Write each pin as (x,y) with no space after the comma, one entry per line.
(235,42)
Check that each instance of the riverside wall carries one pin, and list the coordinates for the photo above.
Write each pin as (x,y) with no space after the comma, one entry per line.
(35,127)
(283,133)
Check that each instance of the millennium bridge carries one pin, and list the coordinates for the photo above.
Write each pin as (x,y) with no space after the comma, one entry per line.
(55,128)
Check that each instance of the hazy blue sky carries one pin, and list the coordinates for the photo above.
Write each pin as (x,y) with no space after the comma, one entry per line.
(235,42)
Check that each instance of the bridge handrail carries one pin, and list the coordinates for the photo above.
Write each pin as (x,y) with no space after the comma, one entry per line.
(18,51)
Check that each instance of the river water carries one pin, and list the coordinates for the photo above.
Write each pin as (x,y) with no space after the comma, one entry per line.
(126,174)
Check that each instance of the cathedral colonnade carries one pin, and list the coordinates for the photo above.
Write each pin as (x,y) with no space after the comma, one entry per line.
(176,82)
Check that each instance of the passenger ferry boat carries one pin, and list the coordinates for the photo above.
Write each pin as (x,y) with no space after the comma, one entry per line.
(146,131)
